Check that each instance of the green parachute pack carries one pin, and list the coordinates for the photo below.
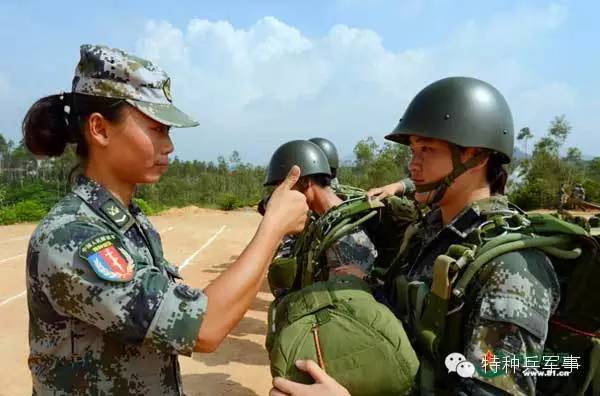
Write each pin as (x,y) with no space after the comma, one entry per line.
(355,339)
(574,329)
(311,312)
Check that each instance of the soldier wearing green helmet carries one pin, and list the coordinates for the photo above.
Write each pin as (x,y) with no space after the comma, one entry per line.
(343,191)
(460,132)
(330,152)
(353,253)
(403,187)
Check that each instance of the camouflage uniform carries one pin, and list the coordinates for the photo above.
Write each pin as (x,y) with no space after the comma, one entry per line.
(335,183)
(563,197)
(409,186)
(106,315)
(579,193)
(509,309)
(91,336)
(352,249)
(356,248)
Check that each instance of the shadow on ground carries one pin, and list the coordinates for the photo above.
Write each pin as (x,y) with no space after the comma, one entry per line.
(235,350)
(250,325)
(214,384)
(217,269)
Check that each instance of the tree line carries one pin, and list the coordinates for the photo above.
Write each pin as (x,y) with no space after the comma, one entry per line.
(29,187)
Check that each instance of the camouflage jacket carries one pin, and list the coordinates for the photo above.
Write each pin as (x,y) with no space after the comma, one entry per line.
(106,316)
(509,309)
(352,249)
(355,248)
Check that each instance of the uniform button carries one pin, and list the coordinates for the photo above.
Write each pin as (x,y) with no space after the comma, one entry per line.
(186,292)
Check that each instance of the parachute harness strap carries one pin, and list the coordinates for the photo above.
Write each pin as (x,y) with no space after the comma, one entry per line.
(438,188)
(454,270)
(333,225)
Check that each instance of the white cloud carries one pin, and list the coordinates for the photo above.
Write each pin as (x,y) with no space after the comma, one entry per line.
(254,88)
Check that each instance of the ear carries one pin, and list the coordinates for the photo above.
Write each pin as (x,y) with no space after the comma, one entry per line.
(469,153)
(97,127)
(309,190)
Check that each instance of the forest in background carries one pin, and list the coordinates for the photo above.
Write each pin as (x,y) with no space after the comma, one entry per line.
(29,187)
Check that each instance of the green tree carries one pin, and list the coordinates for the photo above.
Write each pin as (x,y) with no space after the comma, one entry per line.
(525,135)
(4,150)
(365,151)
(559,129)
(574,156)
(545,171)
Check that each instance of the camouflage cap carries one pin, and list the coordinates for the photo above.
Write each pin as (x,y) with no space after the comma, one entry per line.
(109,72)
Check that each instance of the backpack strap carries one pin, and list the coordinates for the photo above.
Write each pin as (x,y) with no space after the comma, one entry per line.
(510,243)
(392,273)
(328,229)
(454,271)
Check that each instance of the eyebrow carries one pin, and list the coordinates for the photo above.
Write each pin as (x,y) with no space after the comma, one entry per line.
(420,139)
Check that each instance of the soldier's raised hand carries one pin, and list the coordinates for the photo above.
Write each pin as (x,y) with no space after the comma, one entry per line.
(386,191)
(350,269)
(287,208)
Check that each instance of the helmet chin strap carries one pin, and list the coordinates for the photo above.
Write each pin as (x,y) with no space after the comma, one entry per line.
(437,189)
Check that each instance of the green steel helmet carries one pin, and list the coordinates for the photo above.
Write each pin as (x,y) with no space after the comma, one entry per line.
(307,155)
(464,111)
(329,149)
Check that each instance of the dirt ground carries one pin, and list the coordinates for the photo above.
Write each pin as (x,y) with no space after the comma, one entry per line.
(206,241)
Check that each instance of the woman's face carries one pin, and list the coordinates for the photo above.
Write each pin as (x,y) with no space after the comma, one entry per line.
(137,148)
(431,161)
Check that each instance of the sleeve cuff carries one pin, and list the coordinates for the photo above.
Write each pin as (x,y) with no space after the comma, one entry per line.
(175,326)
(409,186)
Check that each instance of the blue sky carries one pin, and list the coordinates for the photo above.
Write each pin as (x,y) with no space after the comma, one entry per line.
(259,73)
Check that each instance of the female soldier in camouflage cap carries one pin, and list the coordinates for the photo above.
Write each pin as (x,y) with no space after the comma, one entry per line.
(107,315)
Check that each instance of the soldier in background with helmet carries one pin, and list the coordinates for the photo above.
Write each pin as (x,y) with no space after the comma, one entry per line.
(563,197)
(355,252)
(460,131)
(579,192)
(332,157)
(401,188)
(579,197)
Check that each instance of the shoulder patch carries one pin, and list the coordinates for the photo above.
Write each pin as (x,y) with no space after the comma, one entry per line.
(108,258)
(115,213)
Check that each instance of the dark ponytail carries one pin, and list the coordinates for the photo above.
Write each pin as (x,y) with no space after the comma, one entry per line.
(496,174)
(45,127)
(56,120)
